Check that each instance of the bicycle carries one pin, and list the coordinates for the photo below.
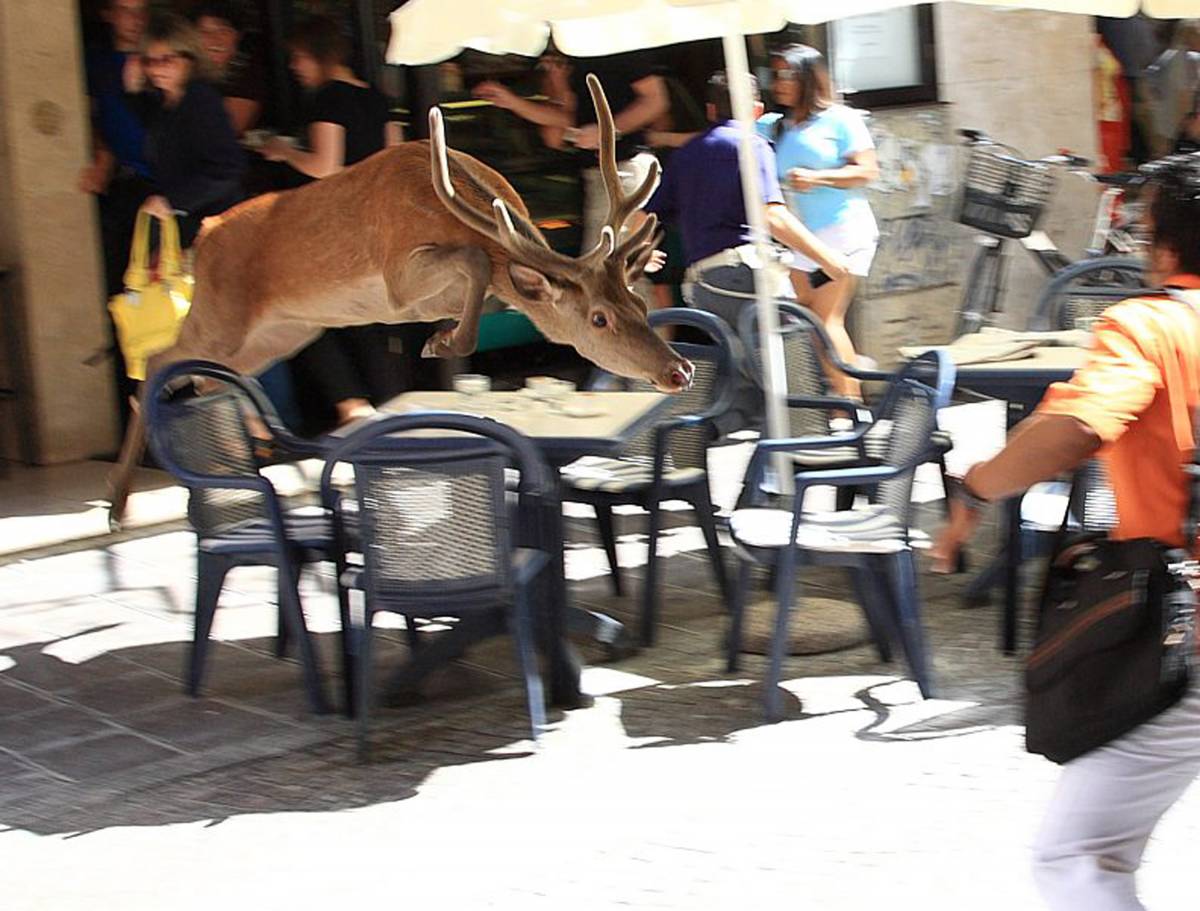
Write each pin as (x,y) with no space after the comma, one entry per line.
(1005,194)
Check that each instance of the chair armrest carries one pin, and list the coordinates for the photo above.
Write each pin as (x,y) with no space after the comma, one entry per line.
(846,477)
(793,444)
(823,401)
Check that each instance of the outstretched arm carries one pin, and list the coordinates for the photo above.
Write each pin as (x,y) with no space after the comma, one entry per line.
(788,229)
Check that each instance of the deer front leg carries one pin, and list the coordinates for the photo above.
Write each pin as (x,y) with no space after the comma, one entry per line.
(462,273)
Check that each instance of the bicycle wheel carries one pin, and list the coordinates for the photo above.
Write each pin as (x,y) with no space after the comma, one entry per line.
(981,292)
(1086,289)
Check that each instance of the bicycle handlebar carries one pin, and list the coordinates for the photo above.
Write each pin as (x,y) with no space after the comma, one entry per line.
(1062,159)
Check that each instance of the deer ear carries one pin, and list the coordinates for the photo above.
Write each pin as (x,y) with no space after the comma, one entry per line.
(532,284)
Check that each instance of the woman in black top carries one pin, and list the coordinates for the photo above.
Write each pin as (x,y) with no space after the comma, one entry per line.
(353,369)
(197,163)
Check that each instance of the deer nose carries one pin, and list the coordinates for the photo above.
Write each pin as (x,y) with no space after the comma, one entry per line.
(679,376)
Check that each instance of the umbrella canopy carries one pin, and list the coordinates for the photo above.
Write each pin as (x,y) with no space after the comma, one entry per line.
(429,31)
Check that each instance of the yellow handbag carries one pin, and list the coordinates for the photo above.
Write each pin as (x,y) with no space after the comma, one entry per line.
(148,314)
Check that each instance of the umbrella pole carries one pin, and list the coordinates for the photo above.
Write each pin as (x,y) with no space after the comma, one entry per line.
(737,69)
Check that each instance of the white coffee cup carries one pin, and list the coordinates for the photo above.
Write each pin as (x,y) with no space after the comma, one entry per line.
(472,383)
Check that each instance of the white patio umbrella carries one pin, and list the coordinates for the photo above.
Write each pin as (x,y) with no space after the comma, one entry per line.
(429,31)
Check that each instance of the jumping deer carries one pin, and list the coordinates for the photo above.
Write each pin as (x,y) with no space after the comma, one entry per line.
(416,233)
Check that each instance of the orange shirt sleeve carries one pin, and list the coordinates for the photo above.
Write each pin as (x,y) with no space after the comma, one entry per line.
(1113,387)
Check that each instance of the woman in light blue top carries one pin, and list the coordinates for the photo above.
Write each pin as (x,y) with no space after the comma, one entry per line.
(825,157)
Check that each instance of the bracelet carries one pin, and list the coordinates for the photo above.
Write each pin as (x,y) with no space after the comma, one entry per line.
(961,492)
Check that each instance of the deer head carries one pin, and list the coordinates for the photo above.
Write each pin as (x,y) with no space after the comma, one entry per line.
(586,302)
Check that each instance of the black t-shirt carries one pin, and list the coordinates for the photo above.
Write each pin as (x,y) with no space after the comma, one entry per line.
(617,74)
(244,77)
(361,111)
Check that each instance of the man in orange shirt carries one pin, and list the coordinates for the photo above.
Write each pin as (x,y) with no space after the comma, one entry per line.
(1132,404)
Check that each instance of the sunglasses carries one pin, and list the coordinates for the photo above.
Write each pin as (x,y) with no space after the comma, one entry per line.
(164,60)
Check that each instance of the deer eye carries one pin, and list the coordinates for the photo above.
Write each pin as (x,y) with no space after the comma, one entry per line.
(599,320)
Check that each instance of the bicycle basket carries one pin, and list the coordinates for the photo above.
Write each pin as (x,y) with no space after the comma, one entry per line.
(1003,195)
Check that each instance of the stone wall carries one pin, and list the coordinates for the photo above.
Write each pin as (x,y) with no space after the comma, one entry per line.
(48,234)
(1024,77)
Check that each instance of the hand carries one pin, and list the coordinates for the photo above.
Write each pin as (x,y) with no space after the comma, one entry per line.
(588,137)
(95,177)
(802,180)
(836,267)
(957,531)
(133,74)
(158,206)
(275,149)
(1191,126)
(657,260)
(499,95)
(556,72)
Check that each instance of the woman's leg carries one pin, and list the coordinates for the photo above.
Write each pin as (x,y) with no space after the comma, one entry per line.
(830,302)
(328,365)
(1106,805)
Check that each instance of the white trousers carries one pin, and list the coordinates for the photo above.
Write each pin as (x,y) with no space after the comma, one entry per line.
(632,172)
(1106,805)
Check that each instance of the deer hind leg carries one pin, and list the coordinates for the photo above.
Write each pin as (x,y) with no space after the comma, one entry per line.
(263,347)
(459,277)
(133,447)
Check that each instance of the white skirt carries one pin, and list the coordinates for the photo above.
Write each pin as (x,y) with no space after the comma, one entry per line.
(857,239)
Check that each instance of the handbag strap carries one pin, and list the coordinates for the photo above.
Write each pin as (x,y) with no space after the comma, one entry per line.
(170,256)
(1191,524)
(137,274)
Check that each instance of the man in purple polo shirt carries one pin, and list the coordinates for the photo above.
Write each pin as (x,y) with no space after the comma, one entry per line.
(701,192)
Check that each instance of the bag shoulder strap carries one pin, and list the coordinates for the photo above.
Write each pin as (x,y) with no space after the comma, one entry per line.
(1191,297)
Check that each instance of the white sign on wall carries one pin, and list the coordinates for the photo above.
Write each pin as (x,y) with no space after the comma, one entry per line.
(876,51)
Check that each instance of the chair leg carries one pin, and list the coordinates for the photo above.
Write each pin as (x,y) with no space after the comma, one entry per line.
(785,591)
(650,592)
(411,633)
(737,611)
(282,639)
(346,638)
(293,613)
(844,498)
(702,504)
(522,630)
(908,610)
(211,571)
(604,519)
(362,684)
(876,606)
(941,460)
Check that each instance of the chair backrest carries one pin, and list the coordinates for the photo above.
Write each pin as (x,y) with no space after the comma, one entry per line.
(432,515)
(806,350)
(1086,289)
(905,422)
(201,438)
(710,394)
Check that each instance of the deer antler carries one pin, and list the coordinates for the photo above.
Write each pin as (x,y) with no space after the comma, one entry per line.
(620,205)
(524,244)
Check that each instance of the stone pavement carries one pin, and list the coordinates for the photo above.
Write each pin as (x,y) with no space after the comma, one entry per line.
(669,792)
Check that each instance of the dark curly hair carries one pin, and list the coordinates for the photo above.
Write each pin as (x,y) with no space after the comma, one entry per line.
(1175,207)
(322,38)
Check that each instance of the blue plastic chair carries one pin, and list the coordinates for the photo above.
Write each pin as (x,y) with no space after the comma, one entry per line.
(871,540)
(436,534)
(669,461)
(203,441)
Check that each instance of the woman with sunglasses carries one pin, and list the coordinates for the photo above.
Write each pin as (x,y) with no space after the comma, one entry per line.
(825,156)
(198,164)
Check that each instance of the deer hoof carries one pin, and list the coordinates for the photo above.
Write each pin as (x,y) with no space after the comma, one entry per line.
(115,518)
(440,344)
